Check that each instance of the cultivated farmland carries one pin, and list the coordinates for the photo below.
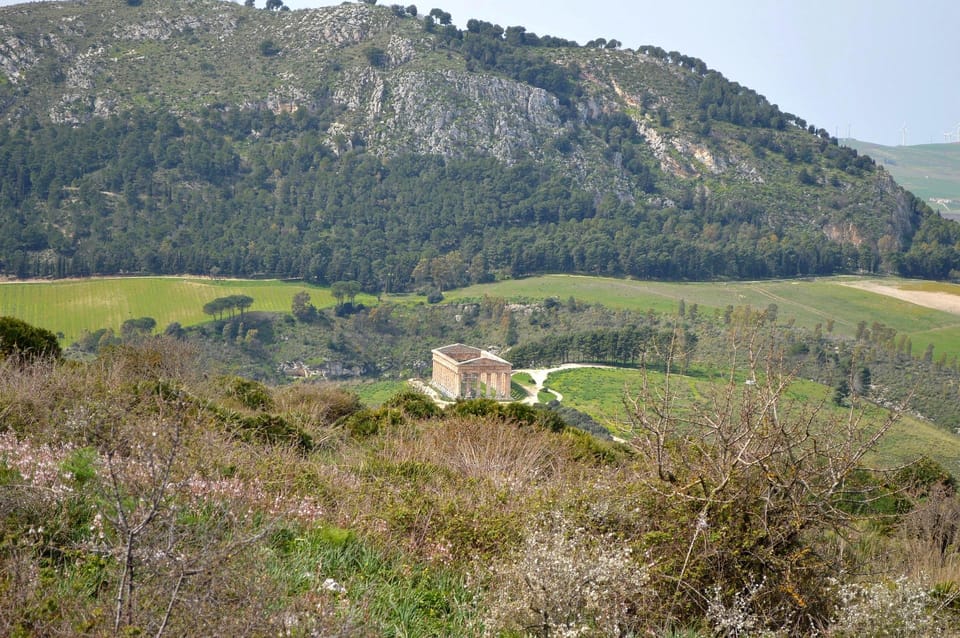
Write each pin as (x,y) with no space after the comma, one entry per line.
(70,307)
(806,302)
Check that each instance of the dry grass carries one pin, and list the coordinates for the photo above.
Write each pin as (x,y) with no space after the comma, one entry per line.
(452,495)
(501,454)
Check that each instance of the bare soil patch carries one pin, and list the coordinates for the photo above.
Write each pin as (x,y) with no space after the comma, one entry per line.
(937,300)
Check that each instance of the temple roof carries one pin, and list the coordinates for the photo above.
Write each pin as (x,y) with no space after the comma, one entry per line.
(463,354)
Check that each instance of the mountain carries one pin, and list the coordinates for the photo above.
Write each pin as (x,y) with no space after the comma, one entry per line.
(930,171)
(365,143)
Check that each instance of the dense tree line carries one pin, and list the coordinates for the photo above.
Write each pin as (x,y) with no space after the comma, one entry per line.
(144,193)
(643,345)
(492,48)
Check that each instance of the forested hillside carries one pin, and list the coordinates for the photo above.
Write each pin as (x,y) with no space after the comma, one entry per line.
(380,145)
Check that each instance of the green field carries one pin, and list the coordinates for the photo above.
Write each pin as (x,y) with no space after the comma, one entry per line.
(376,393)
(808,302)
(927,170)
(600,393)
(70,307)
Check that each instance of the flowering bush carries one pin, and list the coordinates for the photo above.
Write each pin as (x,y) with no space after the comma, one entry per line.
(891,609)
(566,583)
(737,617)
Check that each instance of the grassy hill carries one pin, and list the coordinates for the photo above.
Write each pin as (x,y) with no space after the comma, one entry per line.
(930,171)
(600,393)
(141,497)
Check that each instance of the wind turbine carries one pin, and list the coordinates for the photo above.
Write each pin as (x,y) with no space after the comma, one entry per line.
(946,137)
(903,135)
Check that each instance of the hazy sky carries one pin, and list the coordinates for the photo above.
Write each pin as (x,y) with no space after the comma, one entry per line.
(866,68)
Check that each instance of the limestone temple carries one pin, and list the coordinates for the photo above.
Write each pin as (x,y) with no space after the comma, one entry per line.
(461,371)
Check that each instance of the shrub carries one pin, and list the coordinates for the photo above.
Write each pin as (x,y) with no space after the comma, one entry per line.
(921,475)
(474,407)
(746,488)
(250,394)
(80,466)
(580,420)
(414,404)
(586,446)
(316,406)
(21,339)
(565,583)
(376,56)
(892,608)
(268,48)
(368,422)
(271,429)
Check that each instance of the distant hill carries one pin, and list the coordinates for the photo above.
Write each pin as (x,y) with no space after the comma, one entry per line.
(377,144)
(929,171)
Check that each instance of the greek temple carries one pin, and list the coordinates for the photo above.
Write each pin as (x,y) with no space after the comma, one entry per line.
(465,372)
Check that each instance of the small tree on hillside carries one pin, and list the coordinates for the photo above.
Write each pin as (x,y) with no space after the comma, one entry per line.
(376,56)
(213,308)
(748,491)
(302,309)
(339,291)
(141,327)
(268,48)
(241,302)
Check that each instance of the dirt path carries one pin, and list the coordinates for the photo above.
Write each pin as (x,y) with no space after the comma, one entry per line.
(539,376)
(783,300)
(937,300)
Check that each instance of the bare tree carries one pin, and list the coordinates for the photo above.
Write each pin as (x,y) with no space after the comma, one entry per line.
(169,540)
(754,484)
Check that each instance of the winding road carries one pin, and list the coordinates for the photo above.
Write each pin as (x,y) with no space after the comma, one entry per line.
(539,376)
